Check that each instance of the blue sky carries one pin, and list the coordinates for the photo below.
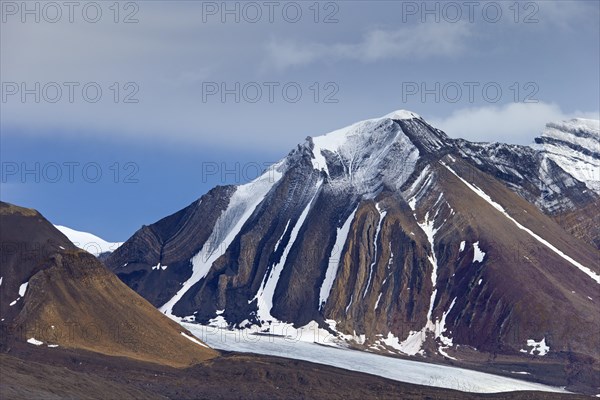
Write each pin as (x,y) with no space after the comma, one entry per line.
(352,60)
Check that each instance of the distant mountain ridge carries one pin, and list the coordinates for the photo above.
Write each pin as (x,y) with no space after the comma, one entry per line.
(89,242)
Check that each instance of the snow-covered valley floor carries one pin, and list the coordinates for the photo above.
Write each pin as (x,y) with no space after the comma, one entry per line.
(393,368)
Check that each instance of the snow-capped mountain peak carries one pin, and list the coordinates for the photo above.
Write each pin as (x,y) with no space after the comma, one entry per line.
(359,155)
(575,132)
(88,242)
(402,114)
(386,147)
(574,145)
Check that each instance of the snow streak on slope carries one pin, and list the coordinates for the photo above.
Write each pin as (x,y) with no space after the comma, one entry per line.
(193,339)
(413,344)
(498,207)
(440,328)
(428,227)
(282,235)
(423,182)
(241,206)
(266,292)
(382,215)
(334,262)
(88,242)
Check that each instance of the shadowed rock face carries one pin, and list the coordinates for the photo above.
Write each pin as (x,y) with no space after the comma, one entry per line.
(170,243)
(54,294)
(384,228)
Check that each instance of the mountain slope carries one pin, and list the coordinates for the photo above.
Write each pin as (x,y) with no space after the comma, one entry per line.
(53,294)
(559,174)
(395,238)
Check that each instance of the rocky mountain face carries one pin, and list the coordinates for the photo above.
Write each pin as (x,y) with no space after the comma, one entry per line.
(53,294)
(560,174)
(396,238)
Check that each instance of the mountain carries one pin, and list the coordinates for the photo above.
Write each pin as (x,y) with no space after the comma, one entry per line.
(53,294)
(89,242)
(70,329)
(398,239)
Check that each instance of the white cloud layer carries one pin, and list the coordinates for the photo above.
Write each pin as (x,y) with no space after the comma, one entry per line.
(517,123)
(422,40)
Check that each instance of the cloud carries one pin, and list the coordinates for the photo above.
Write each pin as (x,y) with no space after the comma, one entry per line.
(517,123)
(567,15)
(420,41)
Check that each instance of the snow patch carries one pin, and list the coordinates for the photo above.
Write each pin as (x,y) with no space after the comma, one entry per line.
(411,346)
(34,342)
(218,321)
(540,347)
(23,289)
(478,253)
(159,267)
